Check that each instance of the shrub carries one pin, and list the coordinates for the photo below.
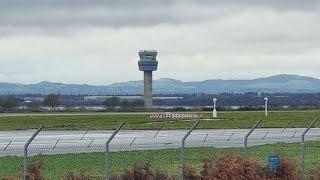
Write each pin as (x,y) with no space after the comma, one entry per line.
(9,178)
(191,173)
(142,172)
(223,168)
(315,174)
(232,167)
(288,170)
(35,169)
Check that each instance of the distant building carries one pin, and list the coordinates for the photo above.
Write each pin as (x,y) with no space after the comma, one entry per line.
(30,99)
(102,97)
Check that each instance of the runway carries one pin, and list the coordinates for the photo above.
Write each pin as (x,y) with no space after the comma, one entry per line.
(105,113)
(73,114)
(62,142)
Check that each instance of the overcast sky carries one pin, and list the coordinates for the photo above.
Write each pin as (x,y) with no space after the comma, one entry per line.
(96,42)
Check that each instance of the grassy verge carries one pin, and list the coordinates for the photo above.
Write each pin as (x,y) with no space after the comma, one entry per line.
(168,160)
(136,121)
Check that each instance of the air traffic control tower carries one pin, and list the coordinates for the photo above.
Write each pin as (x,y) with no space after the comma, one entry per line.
(147,64)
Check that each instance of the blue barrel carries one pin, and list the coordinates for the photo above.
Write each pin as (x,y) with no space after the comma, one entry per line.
(273,163)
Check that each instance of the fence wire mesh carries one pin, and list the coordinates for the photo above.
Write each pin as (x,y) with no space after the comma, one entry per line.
(65,154)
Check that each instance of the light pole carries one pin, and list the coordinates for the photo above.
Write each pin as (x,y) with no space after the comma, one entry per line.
(214,112)
(266,106)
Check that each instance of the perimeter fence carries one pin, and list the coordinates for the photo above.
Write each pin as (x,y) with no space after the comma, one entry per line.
(105,154)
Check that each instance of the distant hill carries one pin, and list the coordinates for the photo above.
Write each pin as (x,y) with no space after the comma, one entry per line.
(279,83)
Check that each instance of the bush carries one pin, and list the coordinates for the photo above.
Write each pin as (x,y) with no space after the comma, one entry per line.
(232,167)
(9,178)
(35,169)
(223,168)
(191,173)
(288,170)
(142,172)
(315,174)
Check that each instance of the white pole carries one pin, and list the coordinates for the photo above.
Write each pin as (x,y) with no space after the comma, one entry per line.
(214,113)
(266,106)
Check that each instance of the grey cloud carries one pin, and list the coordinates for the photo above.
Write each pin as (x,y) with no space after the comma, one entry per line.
(196,39)
(59,15)
(74,4)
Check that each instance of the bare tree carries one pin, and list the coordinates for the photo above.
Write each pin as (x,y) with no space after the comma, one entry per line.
(8,103)
(51,100)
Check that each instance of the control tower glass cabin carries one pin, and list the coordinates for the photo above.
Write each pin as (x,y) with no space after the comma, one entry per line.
(147,64)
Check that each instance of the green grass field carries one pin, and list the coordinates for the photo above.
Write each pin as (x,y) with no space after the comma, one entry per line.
(168,160)
(134,121)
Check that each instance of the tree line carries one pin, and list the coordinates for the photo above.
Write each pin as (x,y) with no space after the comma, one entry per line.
(10,103)
(115,102)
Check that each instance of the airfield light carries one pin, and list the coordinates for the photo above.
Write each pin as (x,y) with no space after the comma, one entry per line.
(266,106)
(214,113)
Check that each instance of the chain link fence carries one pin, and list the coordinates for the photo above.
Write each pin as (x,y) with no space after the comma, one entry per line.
(67,154)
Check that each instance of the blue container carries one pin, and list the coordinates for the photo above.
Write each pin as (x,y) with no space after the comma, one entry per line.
(273,163)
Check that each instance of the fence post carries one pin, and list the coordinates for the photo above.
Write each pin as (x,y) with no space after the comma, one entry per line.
(182,158)
(302,146)
(25,163)
(247,136)
(107,149)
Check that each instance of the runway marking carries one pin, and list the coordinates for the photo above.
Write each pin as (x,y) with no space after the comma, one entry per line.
(84,134)
(230,137)
(163,124)
(90,143)
(133,141)
(56,144)
(294,134)
(265,135)
(206,137)
(7,146)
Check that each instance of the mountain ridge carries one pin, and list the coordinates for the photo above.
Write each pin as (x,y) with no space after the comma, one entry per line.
(278,83)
